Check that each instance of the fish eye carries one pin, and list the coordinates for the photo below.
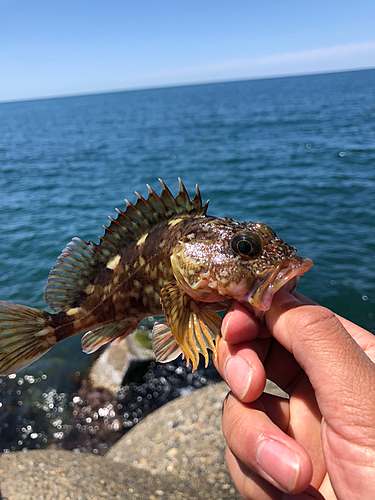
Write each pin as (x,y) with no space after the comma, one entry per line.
(246,244)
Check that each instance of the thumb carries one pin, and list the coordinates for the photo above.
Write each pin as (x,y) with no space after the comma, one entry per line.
(341,374)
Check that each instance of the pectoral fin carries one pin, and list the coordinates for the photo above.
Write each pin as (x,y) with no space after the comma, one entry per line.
(194,327)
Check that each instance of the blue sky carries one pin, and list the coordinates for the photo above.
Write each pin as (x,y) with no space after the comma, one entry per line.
(54,47)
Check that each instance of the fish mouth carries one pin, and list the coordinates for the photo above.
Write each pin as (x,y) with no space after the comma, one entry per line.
(260,297)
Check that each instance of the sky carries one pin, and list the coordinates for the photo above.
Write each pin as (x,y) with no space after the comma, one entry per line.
(55,48)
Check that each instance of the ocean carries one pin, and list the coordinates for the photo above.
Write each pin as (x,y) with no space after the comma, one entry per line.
(297,153)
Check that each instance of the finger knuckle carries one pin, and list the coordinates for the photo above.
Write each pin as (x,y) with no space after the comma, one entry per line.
(315,320)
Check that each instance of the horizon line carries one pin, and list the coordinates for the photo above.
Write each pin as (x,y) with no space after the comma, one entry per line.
(179,85)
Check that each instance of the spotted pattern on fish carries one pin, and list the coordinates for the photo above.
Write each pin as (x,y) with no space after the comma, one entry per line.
(161,256)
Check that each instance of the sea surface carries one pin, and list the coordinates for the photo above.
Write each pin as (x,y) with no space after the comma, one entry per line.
(297,153)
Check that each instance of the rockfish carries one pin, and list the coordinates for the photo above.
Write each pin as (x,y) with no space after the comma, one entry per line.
(160,257)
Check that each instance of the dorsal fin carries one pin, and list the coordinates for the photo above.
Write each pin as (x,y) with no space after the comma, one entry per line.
(80,262)
(137,219)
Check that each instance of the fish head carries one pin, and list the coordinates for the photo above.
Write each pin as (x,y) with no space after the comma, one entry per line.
(227,260)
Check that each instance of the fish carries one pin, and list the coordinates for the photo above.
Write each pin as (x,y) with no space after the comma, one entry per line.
(162,256)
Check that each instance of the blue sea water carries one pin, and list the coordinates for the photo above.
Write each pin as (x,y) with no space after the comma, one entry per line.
(297,153)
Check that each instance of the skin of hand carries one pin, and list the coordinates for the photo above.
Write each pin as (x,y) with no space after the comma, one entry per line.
(319,443)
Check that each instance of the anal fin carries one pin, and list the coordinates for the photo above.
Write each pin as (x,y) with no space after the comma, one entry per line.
(164,345)
(94,339)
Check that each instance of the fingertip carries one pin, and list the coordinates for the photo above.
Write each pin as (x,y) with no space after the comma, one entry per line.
(239,325)
(242,370)
(284,465)
(246,377)
(238,373)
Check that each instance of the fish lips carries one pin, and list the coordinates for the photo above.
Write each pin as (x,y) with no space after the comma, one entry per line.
(261,295)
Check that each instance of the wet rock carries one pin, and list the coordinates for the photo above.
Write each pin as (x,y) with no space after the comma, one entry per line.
(100,417)
(32,414)
(177,452)
(96,421)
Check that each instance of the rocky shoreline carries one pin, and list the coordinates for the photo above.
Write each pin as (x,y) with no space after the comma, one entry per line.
(176,452)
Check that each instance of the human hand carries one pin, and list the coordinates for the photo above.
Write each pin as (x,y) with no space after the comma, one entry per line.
(321,442)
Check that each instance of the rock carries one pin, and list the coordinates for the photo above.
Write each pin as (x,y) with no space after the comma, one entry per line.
(95,424)
(182,440)
(176,453)
(63,475)
(184,436)
(109,369)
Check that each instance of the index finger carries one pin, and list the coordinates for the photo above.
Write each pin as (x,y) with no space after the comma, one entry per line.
(338,369)
(239,325)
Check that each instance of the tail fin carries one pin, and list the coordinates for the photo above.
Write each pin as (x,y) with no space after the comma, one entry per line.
(25,335)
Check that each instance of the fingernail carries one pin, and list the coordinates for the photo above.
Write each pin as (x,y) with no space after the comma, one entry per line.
(237,373)
(224,327)
(279,463)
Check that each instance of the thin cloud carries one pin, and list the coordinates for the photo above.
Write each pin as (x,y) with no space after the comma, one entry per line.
(338,54)
(329,53)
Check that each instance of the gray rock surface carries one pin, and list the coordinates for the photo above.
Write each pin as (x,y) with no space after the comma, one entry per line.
(176,453)
(183,439)
(63,475)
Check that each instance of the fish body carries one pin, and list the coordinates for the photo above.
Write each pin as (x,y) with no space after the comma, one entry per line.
(161,257)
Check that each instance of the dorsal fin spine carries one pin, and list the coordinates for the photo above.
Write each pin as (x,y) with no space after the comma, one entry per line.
(123,214)
(113,233)
(181,188)
(150,191)
(103,239)
(153,197)
(141,200)
(165,188)
(138,212)
(197,198)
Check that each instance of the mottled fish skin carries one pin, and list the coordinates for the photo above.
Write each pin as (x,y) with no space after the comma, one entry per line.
(128,288)
(162,256)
